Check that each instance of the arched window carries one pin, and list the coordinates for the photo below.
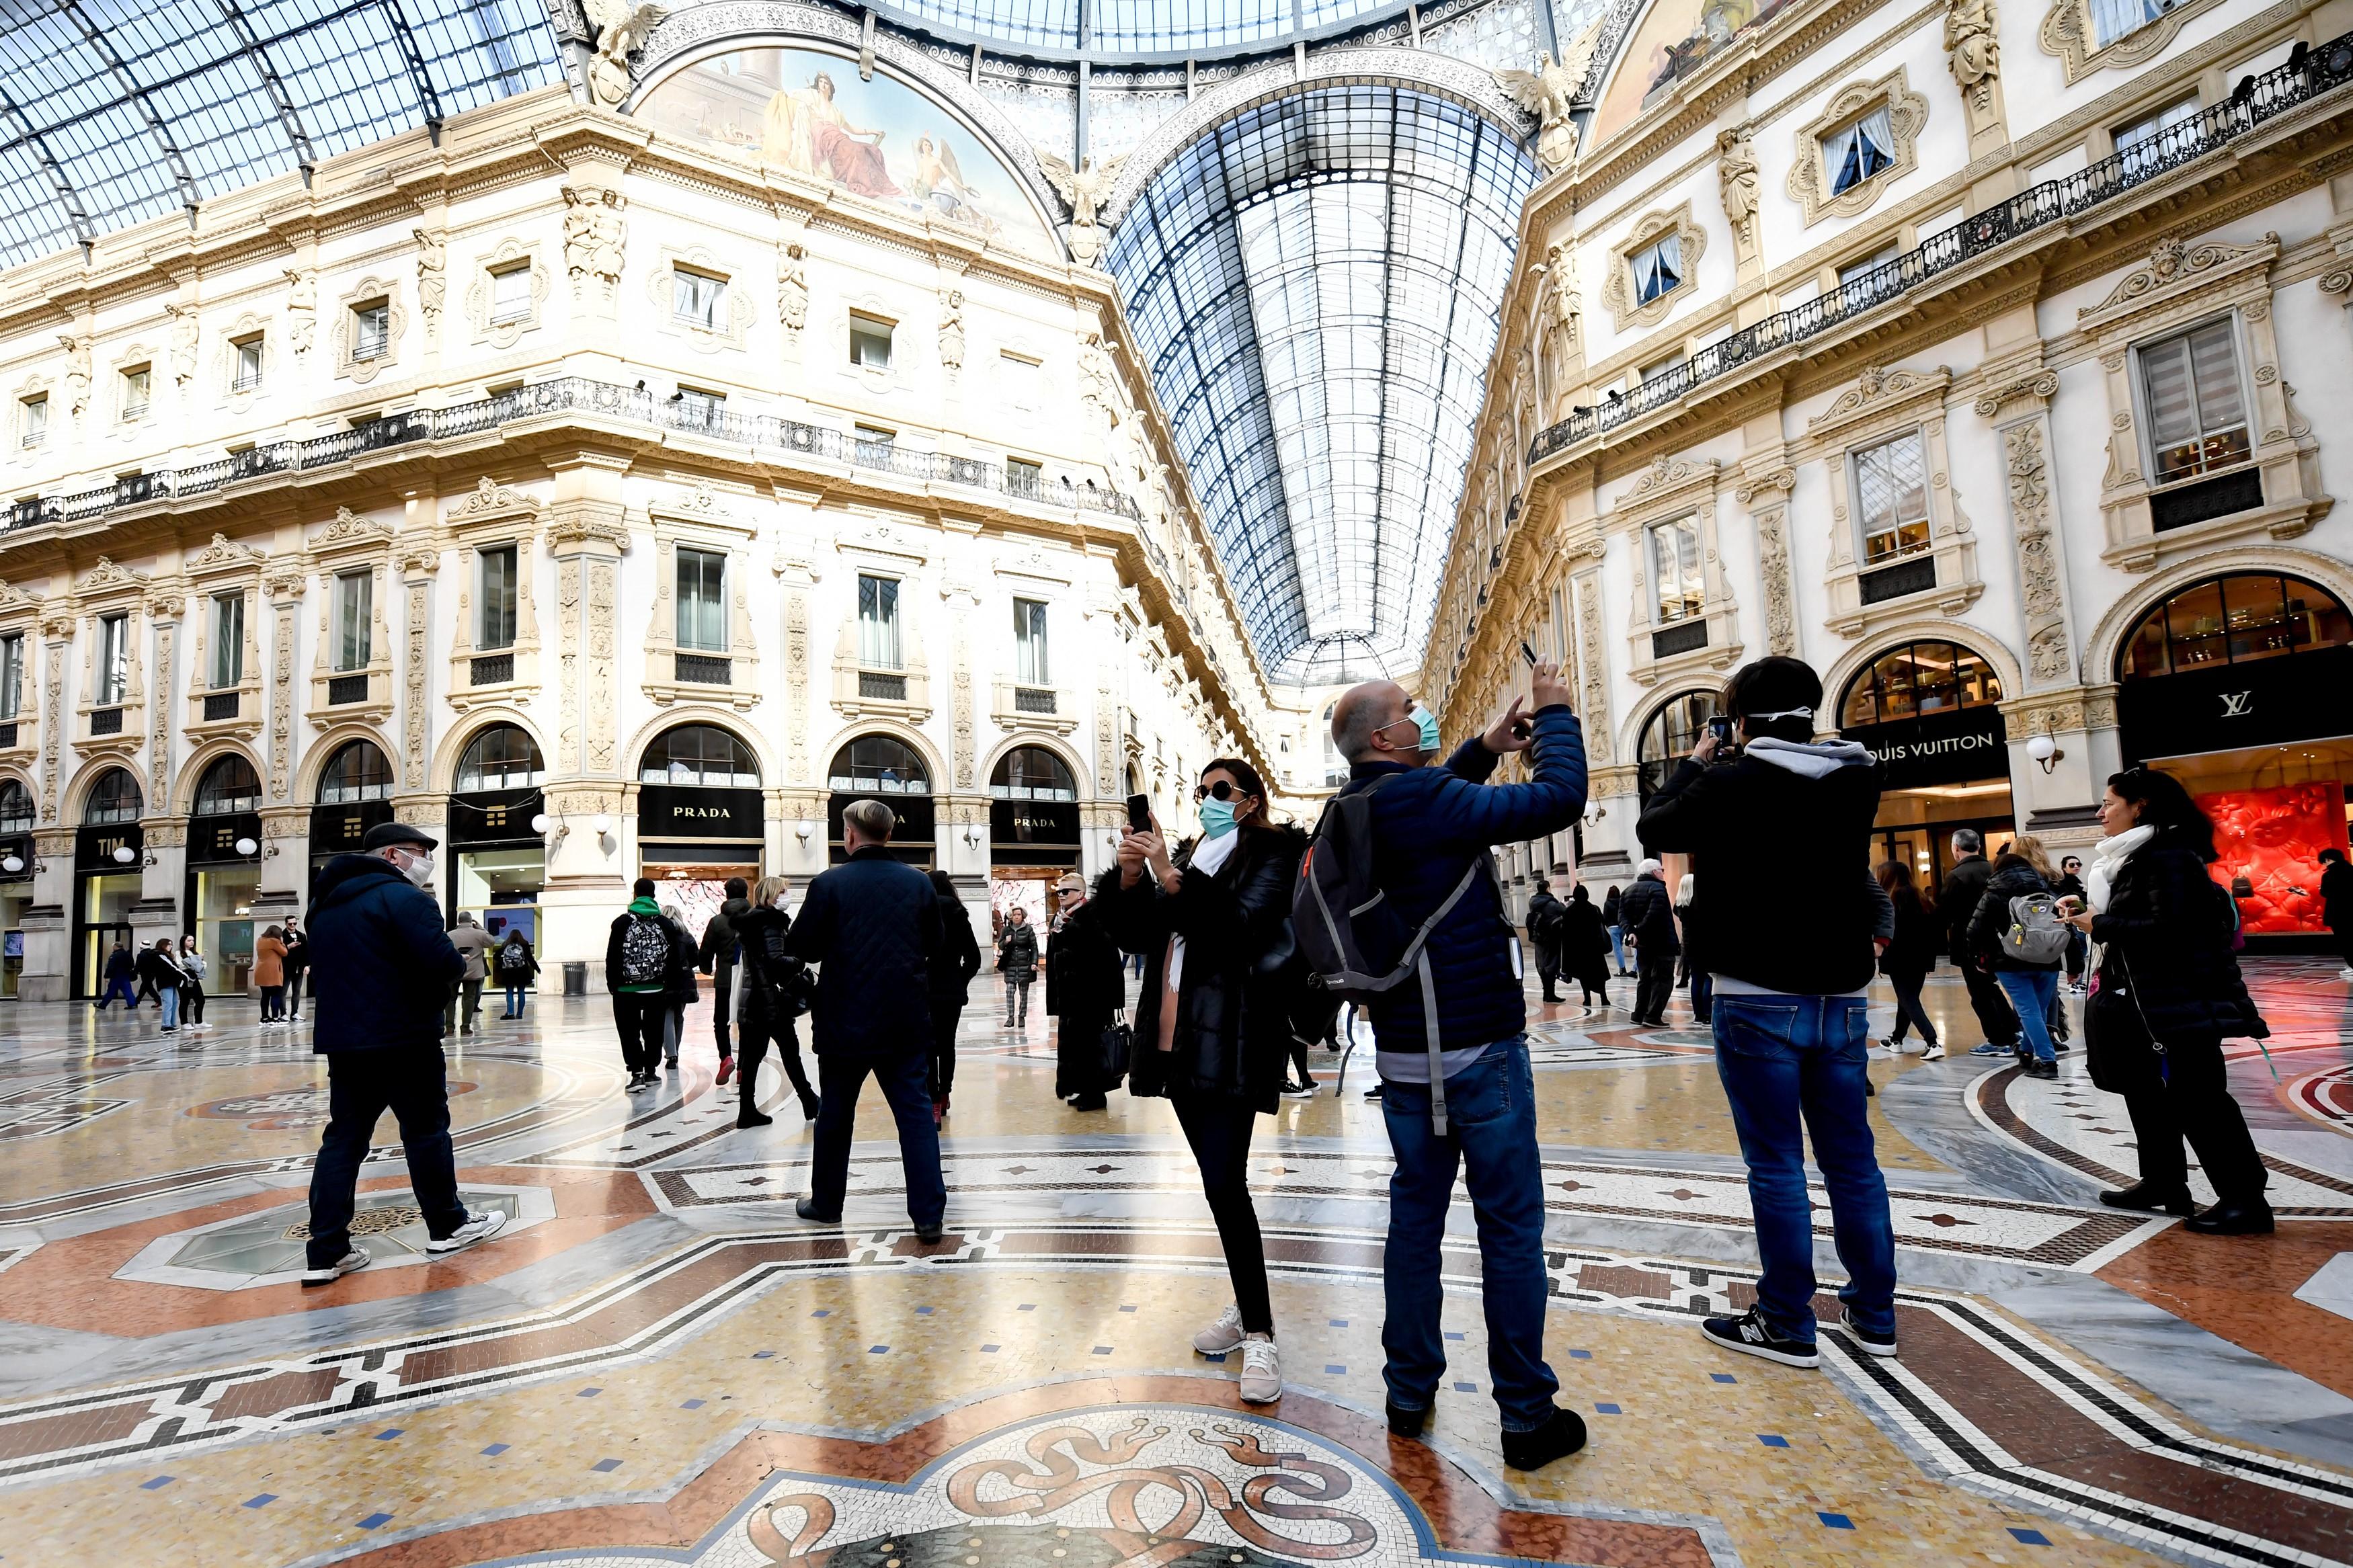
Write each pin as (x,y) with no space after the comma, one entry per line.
(2233,620)
(1670,736)
(228,787)
(15,807)
(1917,681)
(699,754)
(114,798)
(1335,766)
(1032,773)
(500,757)
(876,764)
(359,770)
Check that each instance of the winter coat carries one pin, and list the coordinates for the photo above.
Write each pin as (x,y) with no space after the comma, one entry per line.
(1544,929)
(298,954)
(1992,919)
(475,944)
(1913,952)
(269,962)
(1242,976)
(638,910)
(121,965)
(1584,944)
(1958,900)
(381,965)
(2165,941)
(192,964)
(1648,914)
(1429,824)
(2336,896)
(774,982)
(499,971)
(1016,951)
(951,978)
(872,925)
(718,949)
(1609,907)
(1086,987)
(680,989)
(157,968)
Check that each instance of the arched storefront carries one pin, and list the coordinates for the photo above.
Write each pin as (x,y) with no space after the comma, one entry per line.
(494,860)
(107,847)
(354,794)
(2241,687)
(1671,735)
(15,879)
(1930,711)
(223,871)
(701,818)
(887,769)
(1033,829)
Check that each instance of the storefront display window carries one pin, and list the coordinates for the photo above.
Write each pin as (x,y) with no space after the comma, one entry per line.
(700,819)
(225,929)
(1670,736)
(2235,620)
(887,769)
(497,863)
(1930,712)
(499,888)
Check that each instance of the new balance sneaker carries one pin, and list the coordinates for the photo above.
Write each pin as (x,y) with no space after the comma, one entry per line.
(1932,1054)
(1876,1344)
(1262,1379)
(357,1257)
(1750,1334)
(480,1226)
(1222,1335)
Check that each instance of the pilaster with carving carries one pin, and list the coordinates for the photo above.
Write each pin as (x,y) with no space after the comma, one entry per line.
(1593,671)
(962,599)
(283,581)
(1766,497)
(797,573)
(587,541)
(164,609)
(419,559)
(57,634)
(2019,402)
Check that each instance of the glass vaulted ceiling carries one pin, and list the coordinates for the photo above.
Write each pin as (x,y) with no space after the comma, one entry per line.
(1315,285)
(1117,28)
(115,111)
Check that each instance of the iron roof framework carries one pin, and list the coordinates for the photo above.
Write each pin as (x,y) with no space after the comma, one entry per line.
(1315,285)
(1121,30)
(116,111)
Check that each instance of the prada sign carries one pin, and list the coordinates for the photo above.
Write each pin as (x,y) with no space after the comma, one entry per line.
(1013,822)
(1955,747)
(2255,702)
(685,811)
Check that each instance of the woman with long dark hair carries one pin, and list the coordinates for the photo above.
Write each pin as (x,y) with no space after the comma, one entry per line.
(1908,958)
(1213,1026)
(2166,993)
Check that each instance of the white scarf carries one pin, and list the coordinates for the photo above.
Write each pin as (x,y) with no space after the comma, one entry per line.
(1209,856)
(2108,857)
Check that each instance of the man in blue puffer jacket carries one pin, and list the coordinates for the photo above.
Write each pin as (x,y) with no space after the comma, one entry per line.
(1429,824)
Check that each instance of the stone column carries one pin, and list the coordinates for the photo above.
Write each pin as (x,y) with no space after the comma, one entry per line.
(285,878)
(48,920)
(588,871)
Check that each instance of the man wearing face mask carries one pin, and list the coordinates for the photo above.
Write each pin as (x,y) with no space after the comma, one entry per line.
(381,967)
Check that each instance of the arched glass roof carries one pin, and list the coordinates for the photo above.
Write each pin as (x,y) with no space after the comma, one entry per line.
(1126,27)
(1315,284)
(115,111)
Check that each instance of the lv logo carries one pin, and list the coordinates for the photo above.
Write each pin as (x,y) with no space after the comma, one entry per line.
(2237,704)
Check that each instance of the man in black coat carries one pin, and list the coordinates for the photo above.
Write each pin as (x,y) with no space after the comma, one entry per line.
(1543,923)
(718,961)
(1964,886)
(1648,913)
(2337,902)
(872,927)
(384,967)
(1086,986)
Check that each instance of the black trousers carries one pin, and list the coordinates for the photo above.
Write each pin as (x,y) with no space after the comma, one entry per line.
(945,1018)
(757,1033)
(1217,1128)
(723,998)
(408,1081)
(2193,1102)
(192,1003)
(643,1018)
(1654,981)
(1994,1014)
(1909,1013)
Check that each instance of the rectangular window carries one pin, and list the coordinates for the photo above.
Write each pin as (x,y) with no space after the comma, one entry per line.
(246,370)
(511,294)
(1651,373)
(697,299)
(2112,20)
(703,600)
(1030,643)
(113,658)
(2197,416)
(228,640)
(354,619)
(1658,268)
(1559,628)
(1856,271)
(499,584)
(1675,566)
(1023,478)
(877,623)
(2146,146)
(869,341)
(11,675)
(136,381)
(1891,495)
(1854,155)
(36,420)
(371,329)
(698,410)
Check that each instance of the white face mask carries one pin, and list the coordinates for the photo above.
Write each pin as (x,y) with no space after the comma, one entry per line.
(780,902)
(418,868)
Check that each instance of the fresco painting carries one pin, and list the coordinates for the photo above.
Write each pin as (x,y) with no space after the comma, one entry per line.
(1675,38)
(808,111)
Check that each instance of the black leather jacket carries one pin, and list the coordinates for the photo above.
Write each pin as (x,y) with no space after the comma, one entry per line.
(2166,939)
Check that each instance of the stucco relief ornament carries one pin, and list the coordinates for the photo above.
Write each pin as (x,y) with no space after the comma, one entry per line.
(952,329)
(1973,49)
(622,28)
(1564,317)
(432,277)
(301,309)
(1735,174)
(593,234)
(1546,93)
(183,343)
(1086,188)
(78,349)
(792,289)
(1095,374)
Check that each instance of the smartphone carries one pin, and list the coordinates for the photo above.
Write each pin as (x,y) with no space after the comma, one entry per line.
(1528,653)
(1139,814)
(1720,726)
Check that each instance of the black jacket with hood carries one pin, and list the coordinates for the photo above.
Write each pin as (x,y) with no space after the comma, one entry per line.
(2165,941)
(719,939)
(381,965)
(951,978)
(776,983)
(1992,918)
(1648,915)
(1780,845)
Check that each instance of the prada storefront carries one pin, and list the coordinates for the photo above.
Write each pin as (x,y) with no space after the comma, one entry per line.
(1033,831)
(2241,687)
(881,767)
(498,861)
(1930,712)
(701,818)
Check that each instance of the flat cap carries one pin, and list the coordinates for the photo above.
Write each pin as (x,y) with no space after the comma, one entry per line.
(385,833)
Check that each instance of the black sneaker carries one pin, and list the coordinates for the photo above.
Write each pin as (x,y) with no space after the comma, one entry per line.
(1877,1344)
(1750,1334)
(1557,1439)
(1405,1423)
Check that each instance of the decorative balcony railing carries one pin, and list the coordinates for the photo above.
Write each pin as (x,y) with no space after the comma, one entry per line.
(2307,75)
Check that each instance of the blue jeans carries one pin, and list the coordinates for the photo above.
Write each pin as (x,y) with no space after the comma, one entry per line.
(1779,1056)
(1491,1135)
(2031,992)
(171,995)
(515,995)
(1616,950)
(118,987)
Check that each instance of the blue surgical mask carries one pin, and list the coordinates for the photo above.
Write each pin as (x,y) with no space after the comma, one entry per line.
(1217,817)
(1429,723)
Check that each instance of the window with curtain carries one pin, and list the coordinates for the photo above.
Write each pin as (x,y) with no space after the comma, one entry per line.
(697,299)
(11,675)
(1030,643)
(228,640)
(499,589)
(703,600)
(2112,20)
(1675,569)
(113,658)
(1658,267)
(355,619)
(1854,155)
(877,623)
(1891,498)
(2197,416)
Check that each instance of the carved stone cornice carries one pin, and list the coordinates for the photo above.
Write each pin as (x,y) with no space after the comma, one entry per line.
(1877,390)
(2038,388)
(2172,268)
(1782,479)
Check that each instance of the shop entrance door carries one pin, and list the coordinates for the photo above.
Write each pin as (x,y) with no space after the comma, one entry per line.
(96,944)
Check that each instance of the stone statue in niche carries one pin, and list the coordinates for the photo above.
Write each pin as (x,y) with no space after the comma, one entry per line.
(1735,174)
(1973,49)
(792,288)
(183,343)
(593,234)
(78,349)
(301,309)
(952,329)
(432,276)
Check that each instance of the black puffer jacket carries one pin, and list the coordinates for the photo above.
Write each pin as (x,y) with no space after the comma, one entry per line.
(1648,913)
(1242,970)
(776,983)
(2167,939)
(1992,918)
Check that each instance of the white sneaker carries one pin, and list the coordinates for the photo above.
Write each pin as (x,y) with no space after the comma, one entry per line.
(479,1226)
(2346,973)
(1222,1335)
(357,1257)
(1262,1379)
(1932,1054)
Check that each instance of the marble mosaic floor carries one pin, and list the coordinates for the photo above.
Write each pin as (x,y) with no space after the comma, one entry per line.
(656,1364)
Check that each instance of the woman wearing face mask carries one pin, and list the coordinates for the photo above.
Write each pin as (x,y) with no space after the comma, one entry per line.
(769,996)
(1220,980)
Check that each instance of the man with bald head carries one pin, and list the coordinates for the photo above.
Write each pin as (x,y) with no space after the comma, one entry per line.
(1433,828)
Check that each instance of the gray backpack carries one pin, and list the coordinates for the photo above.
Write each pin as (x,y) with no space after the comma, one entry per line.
(2035,934)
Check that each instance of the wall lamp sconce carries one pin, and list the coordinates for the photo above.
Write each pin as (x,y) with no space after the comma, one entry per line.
(971,836)
(124,854)
(14,864)
(1594,811)
(2045,751)
(542,823)
(247,847)
(802,831)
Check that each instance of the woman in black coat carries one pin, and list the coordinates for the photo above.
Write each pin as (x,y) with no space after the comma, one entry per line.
(1086,989)
(771,992)
(950,981)
(2166,993)
(1910,954)
(1213,1023)
(1585,947)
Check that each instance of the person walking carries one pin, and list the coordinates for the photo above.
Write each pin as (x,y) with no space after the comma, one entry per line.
(951,984)
(298,965)
(466,1003)
(1221,978)
(1433,829)
(872,925)
(1649,916)
(192,990)
(2054,1016)
(1908,957)
(774,993)
(157,968)
(121,969)
(1792,956)
(1965,885)
(383,963)
(1610,903)
(1585,948)
(717,952)
(683,990)
(270,975)
(2337,904)
(1682,930)
(515,968)
(1995,930)
(2069,884)
(2165,994)
(636,972)
(1016,963)
(1544,928)
(1086,989)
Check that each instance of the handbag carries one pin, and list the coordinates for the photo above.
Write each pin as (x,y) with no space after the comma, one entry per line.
(2121,1053)
(1115,1051)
